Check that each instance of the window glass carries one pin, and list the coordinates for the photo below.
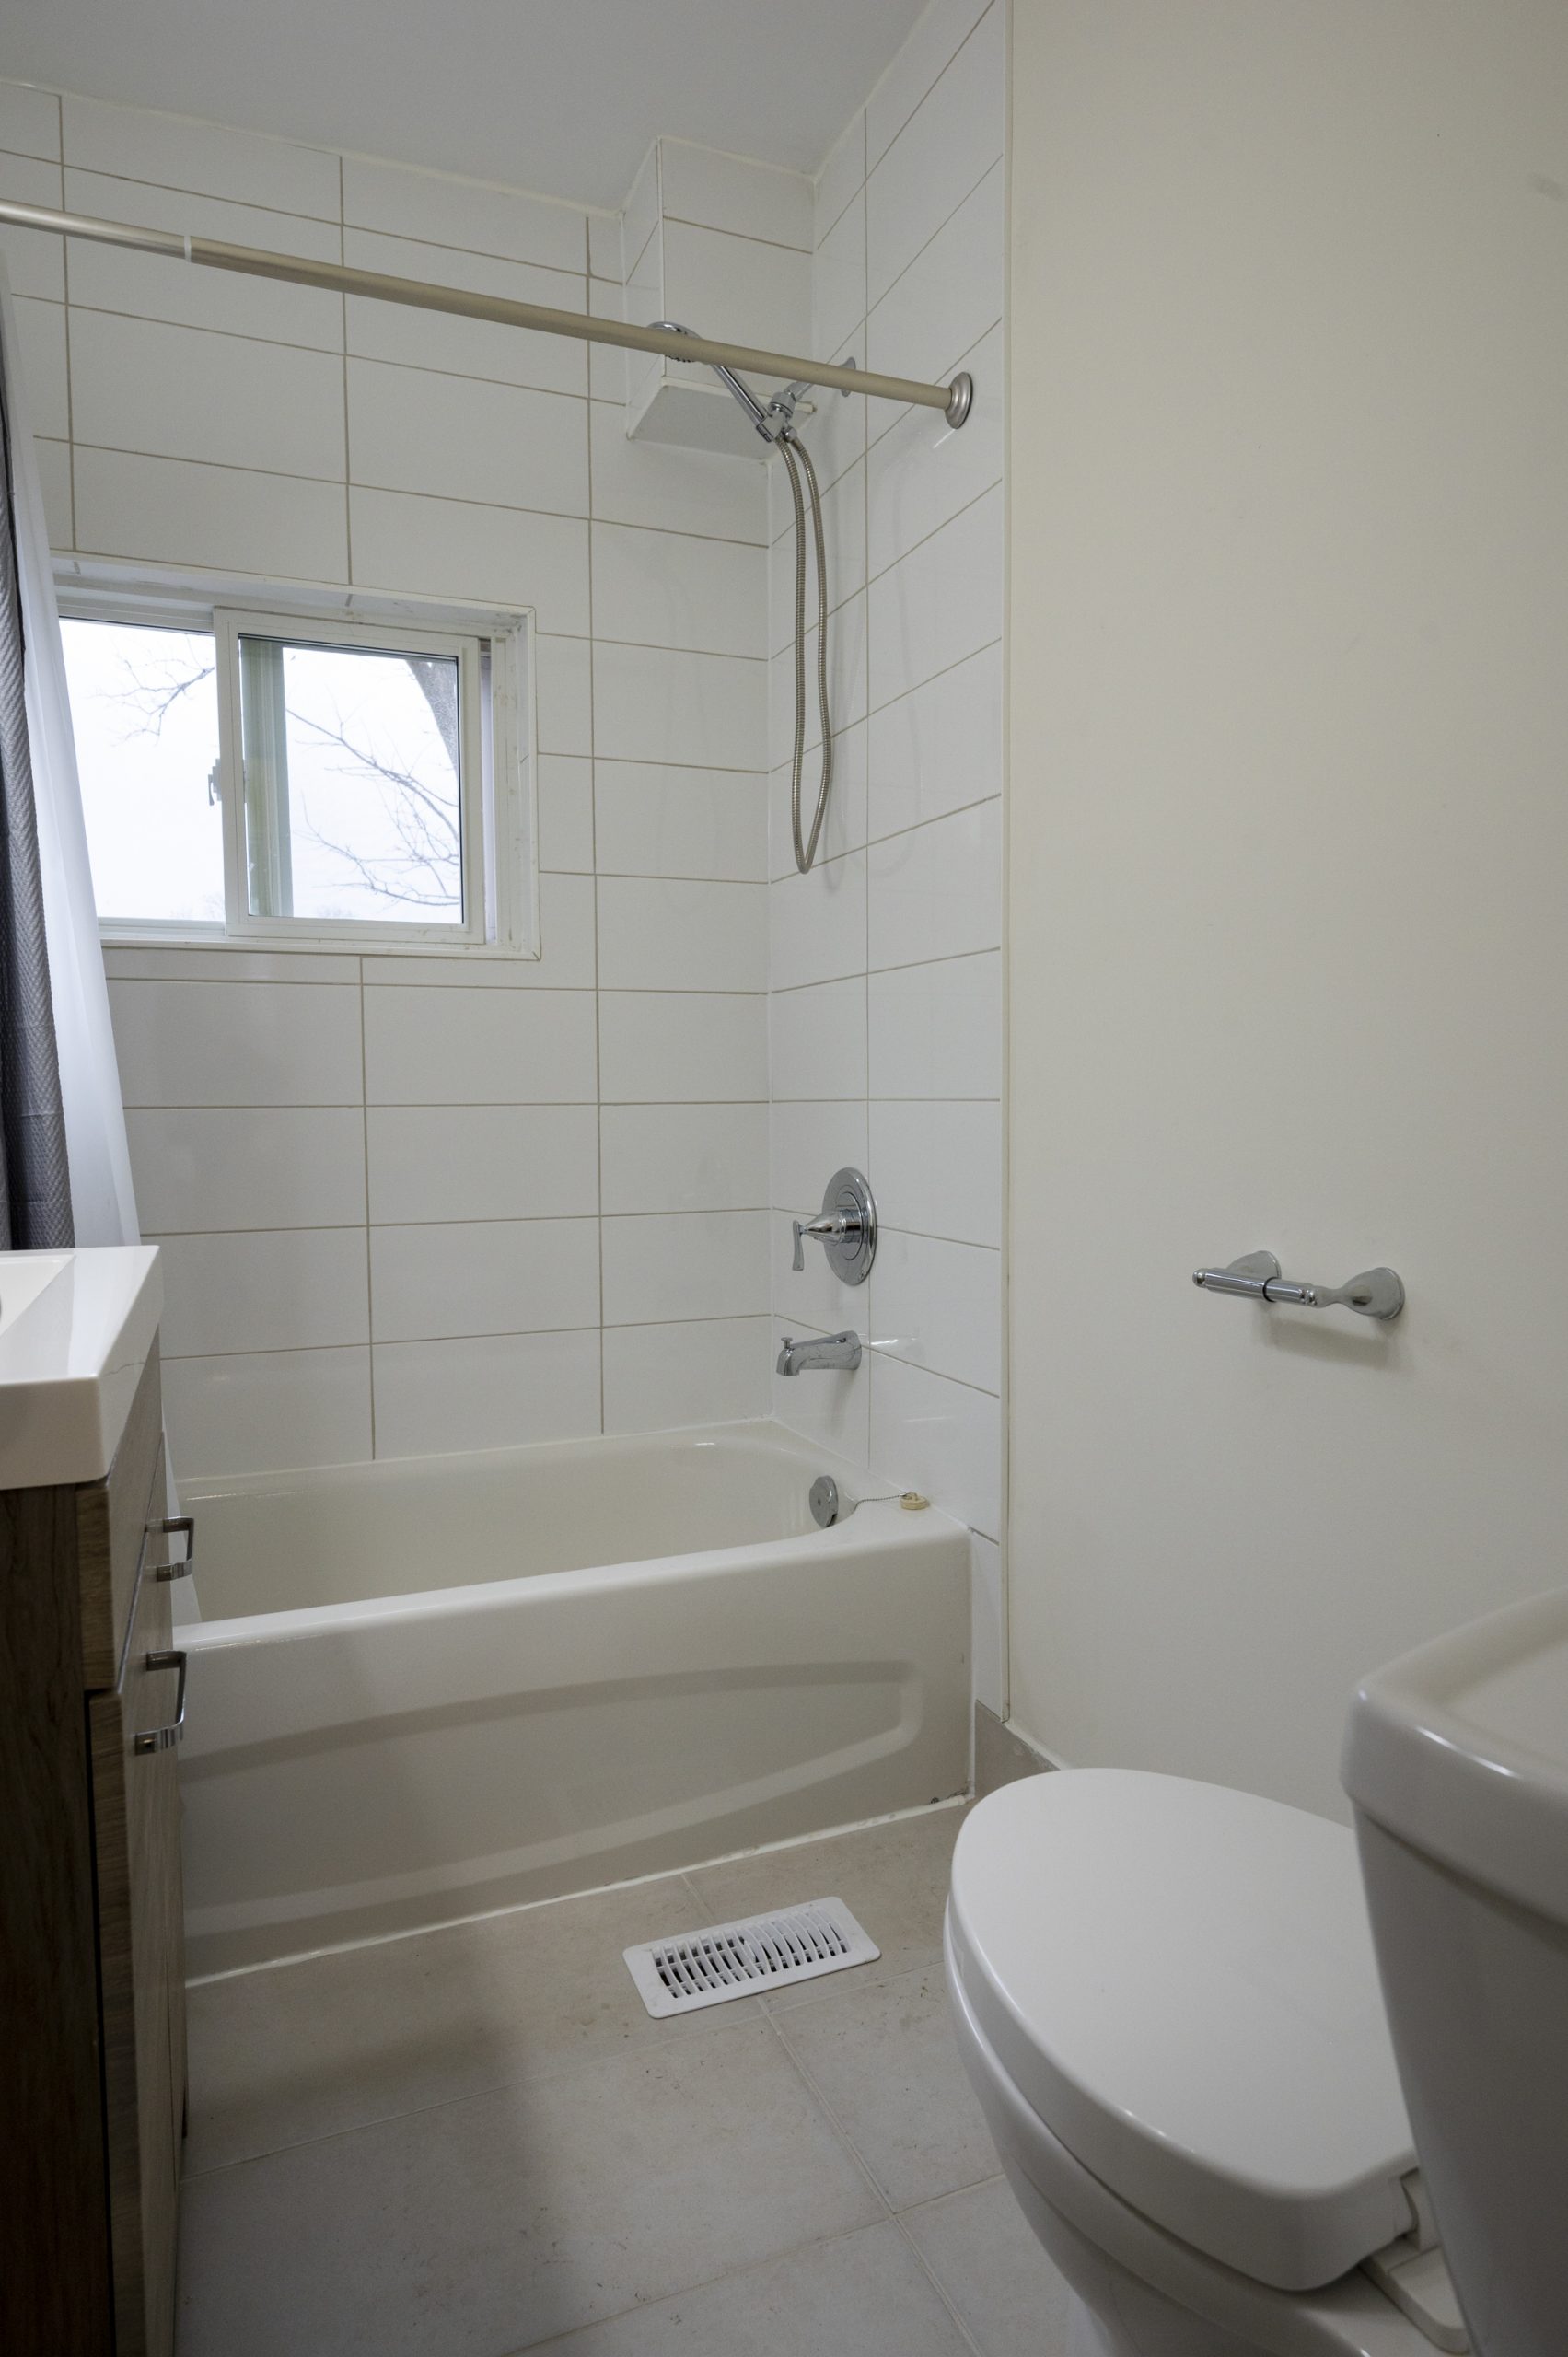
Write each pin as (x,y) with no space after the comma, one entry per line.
(352,807)
(145,709)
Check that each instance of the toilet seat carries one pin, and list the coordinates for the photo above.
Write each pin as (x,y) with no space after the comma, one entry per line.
(1177,1981)
(1080,2219)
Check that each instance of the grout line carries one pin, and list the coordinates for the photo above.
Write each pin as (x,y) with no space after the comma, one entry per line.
(747,237)
(925,94)
(594,924)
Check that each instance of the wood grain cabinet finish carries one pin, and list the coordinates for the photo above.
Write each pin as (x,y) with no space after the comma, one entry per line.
(92,2059)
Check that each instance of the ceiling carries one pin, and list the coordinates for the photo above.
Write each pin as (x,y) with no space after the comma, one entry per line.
(560,96)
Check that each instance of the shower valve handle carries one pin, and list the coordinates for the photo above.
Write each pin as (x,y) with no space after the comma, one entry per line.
(831,1225)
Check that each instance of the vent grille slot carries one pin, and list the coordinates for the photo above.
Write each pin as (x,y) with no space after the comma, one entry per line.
(761,1952)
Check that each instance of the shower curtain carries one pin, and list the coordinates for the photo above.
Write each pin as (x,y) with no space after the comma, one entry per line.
(58,1075)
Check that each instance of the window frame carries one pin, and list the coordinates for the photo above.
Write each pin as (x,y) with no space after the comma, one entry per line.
(497,759)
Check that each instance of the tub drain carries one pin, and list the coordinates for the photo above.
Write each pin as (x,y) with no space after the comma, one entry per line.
(761,1952)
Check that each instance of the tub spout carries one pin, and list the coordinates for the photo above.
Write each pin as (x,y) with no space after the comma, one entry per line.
(819,1350)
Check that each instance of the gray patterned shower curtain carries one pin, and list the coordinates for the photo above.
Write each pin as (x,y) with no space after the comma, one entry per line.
(35,1178)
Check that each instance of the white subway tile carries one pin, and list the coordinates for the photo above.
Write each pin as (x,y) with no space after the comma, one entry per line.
(935,40)
(938,1168)
(268,1413)
(163,511)
(808,1142)
(690,1264)
(651,704)
(838,281)
(407,202)
(562,670)
(279,1166)
(442,340)
(843,176)
(161,286)
(484,1277)
(817,923)
(655,820)
(247,168)
(818,1040)
(459,1162)
(294,1289)
(54,481)
(464,438)
(843,829)
(938,748)
(706,1371)
(939,1305)
(691,1045)
(944,151)
(939,1437)
(678,490)
(182,393)
(940,603)
(446,1045)
(604,245)
(936,890)
(936,1031)
(950,295)
(566,925)
(641,216)
(35,263)
(761,294)
(236,1043)
(657,934)
(495,555)
(720,192)
(663,588)
(30,120)
(828,1406)
(925,472)
(227,963)
(683,1158)
(619,376)
(564,794)
(487,1391)
(41,335)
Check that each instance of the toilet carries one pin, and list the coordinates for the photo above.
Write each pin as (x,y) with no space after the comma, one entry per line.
(1166,1998)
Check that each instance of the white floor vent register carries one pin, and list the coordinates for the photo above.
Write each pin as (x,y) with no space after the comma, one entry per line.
(743,1959)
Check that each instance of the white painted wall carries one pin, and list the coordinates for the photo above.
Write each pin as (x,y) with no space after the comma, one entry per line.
(885,964)
(405,1204)
(1289,854)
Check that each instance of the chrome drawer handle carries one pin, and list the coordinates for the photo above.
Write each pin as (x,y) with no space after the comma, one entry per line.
(183,1525)
(165,1739)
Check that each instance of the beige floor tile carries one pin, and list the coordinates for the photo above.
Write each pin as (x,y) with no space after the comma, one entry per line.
(887,2066)
(485,2225)
(894,1878)
(982,2252)
(307,2050)
(863,2296)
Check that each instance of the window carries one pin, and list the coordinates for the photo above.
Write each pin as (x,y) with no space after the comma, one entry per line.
(277,777)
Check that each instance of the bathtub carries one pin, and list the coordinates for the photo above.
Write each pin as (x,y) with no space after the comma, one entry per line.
(427,1688)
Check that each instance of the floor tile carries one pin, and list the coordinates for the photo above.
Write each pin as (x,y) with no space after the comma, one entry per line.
(483,2227)
(886,2063)
(863,2296)
(982,2252)
(892,1876)
(306,2049)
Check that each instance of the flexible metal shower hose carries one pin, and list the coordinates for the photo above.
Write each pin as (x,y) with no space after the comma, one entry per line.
(796,456)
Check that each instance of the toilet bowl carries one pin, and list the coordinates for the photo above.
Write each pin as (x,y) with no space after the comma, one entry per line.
(1166,1999)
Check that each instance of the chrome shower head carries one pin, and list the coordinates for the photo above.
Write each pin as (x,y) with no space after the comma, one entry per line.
(772,423)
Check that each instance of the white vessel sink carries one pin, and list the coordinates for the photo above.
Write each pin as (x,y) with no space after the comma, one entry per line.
(76,1329)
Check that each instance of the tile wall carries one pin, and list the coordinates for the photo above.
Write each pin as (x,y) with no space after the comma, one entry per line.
(885,1013)
(409,1203)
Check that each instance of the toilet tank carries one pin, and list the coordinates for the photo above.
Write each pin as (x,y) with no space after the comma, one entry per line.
(1457,1761)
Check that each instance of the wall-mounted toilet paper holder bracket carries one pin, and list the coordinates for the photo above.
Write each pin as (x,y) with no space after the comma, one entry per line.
(1376,1293)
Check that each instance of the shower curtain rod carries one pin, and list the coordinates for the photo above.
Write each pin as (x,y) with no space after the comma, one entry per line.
(954,400)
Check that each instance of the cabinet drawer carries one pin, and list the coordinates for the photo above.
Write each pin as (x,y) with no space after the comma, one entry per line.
(113,1538)
(136,1843)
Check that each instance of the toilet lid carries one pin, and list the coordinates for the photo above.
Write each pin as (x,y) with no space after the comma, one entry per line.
(1180,1980)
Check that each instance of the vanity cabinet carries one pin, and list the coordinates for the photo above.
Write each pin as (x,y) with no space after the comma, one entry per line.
(92,2054)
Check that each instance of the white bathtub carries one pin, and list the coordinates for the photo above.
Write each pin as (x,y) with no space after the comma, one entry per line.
(427,1688)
